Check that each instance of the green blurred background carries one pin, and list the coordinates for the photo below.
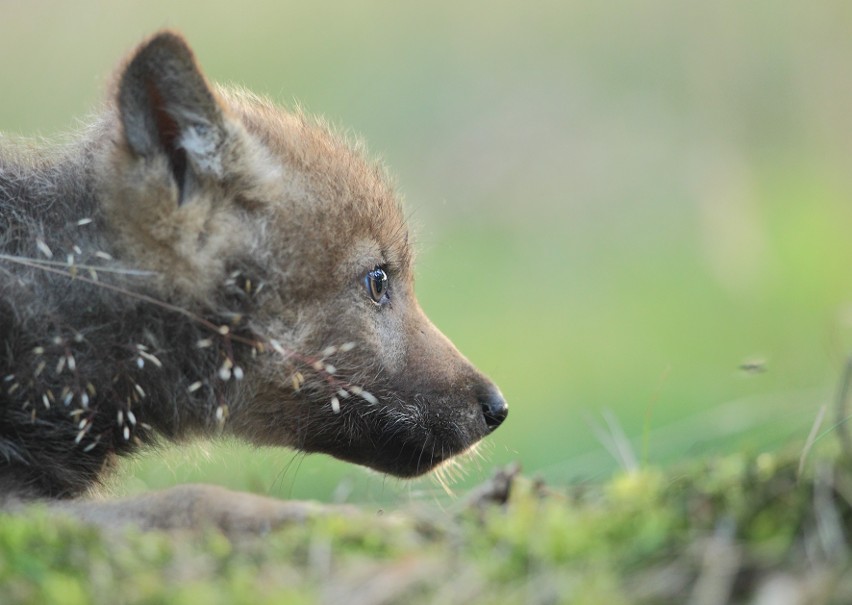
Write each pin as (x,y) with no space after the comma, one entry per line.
(617,204)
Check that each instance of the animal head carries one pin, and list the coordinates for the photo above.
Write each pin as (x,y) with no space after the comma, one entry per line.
(200,180)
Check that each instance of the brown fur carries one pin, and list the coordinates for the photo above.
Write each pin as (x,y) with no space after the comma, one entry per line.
(217,278)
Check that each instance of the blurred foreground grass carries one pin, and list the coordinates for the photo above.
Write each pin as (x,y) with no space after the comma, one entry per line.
(734,529)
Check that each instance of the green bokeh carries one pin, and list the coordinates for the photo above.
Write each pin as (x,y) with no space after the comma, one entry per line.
(616,204)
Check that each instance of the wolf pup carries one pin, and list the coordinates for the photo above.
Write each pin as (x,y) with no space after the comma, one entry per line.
(199,262)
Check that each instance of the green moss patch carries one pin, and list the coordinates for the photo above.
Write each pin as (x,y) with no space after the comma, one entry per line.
(729,529)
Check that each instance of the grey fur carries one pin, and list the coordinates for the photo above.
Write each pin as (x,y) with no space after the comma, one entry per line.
(194,263)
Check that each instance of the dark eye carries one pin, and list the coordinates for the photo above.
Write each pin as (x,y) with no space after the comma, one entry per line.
(377,284)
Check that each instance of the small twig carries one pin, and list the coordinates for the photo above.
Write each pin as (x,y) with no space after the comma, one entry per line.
(37,264)
(812,438)
(612,437)
(840,411)
(497,489)
(829,524)
(621,442)
(720,562)
(40,262)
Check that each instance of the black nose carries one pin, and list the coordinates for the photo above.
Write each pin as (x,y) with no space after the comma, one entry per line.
(494,408)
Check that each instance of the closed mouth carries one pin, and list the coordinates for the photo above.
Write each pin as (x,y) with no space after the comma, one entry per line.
(401,458)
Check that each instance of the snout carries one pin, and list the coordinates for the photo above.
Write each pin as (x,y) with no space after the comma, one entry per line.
(430,403)
(494,407)
(443,368)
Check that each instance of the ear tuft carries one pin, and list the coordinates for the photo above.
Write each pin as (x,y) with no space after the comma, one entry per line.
(167,107)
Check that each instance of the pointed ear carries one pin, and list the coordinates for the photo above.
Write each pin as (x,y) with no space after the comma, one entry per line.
(166,107)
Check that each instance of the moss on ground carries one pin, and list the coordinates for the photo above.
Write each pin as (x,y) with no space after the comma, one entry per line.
(731,529)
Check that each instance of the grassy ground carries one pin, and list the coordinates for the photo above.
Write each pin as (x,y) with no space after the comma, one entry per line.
(732,529)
